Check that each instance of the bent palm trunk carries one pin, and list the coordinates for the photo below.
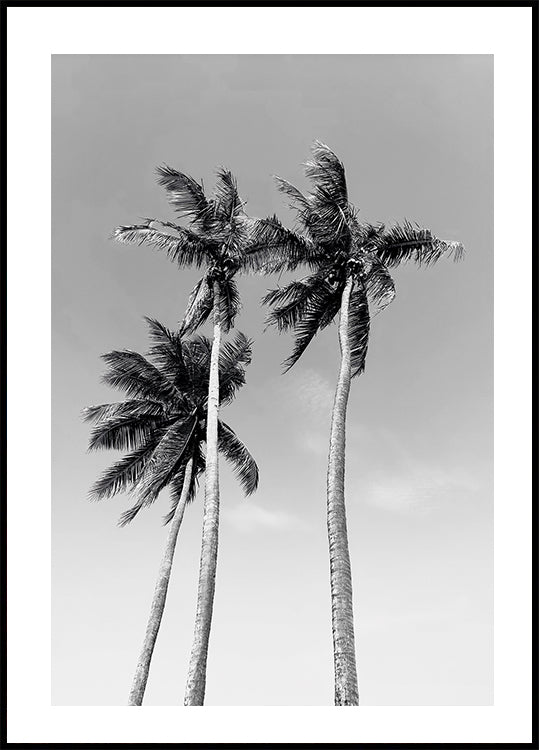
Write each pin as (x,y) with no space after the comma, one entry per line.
(342,614)
(159,598)
(196,678)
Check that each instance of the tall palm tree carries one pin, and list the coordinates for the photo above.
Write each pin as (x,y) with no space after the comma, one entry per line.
(218,237)
(349,262)
(162,425)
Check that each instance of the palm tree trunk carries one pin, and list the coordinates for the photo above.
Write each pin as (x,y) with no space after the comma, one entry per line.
(196,678)
(159,598)
(342,613)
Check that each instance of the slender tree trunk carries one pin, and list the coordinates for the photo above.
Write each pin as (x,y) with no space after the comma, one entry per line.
(342,613)
(159,598)
(196,678)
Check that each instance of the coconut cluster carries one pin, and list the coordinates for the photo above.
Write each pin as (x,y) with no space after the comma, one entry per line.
(344,267)
(356,268)
(224,270)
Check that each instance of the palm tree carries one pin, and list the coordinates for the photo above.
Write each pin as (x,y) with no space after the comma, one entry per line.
(218,238)
(349,262)
(162,425)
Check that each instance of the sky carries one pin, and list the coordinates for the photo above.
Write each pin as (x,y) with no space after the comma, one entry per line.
(415,133)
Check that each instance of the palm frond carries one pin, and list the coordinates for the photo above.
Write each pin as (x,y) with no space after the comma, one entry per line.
(166,352)
(326,169)
(299,202)
(228,202)
(294,300)
(198,349)
(325,214)
(125,433)
(364,233)
(326,172)
(199,306)
(185,248)
(176,489)
(166,458)
(133,408)
(185,194)
(379,284)
(160,471)
(329,224)
(230,303)
(274,248)
(234,353)
(236,453)
(234,357)
(123,474)
(128,515)
(313,318)
(199,467)
(132,373)
(176,484)
(197,355)
(358,329)
(160,334)
(332,305)
(406,241)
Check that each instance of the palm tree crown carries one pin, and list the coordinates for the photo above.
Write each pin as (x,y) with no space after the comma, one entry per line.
(336,247)
(218,237)
(162,423)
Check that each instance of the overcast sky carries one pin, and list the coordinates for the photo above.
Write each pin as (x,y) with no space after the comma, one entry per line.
(416,136)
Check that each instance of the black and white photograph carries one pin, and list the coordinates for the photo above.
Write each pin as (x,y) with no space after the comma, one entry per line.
(274,469)
(265,361)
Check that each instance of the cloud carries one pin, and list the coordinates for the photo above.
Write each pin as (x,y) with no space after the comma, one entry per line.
(308,400)
(402,493)
(392,477)
(312,392)
(417,489)
(375,623)
(314,441)
(246,517)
